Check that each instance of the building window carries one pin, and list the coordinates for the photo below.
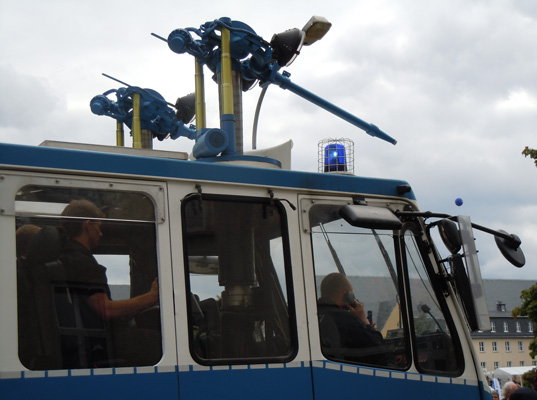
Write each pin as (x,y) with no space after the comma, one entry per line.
(509,364)
(530,326)
(520,346)
(482,347)
(521,363)
(492,326)
(494,347)
(483,365)
(534,363)
(518,329)
(507,347)
(496,364)
(505,326)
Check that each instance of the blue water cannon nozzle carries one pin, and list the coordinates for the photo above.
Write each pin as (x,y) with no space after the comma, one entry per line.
(179,40)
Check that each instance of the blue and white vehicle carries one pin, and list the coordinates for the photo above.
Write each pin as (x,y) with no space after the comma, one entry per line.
(240,245)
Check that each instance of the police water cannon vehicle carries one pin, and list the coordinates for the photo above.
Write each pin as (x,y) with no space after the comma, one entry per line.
(271,283)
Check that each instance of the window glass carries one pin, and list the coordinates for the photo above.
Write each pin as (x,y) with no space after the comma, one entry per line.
(238,272)
(351,261)
(437,348)
(73,270)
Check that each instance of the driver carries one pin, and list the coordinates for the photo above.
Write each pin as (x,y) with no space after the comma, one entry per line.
(344,325)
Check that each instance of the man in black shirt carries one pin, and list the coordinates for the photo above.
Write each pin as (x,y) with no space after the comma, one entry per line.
(82,225)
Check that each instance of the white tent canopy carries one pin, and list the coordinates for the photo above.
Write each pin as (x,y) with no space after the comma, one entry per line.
(510,372)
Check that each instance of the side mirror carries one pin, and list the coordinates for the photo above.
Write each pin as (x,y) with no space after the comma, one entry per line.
(511,249)
(370,217)
(450,235)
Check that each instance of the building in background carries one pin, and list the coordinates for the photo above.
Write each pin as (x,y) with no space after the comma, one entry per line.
(507,344)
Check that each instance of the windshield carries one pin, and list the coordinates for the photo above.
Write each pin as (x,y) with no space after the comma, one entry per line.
(378,266)
(369,261)
(436,345)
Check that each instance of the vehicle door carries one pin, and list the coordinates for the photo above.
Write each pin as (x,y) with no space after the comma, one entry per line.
(240,314)
(406,340)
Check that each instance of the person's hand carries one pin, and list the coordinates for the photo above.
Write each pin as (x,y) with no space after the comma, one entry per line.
(154,291)
(359,311)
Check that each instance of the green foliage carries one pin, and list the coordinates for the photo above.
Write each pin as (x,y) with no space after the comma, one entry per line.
(528,378)
(532,153)
(529,309)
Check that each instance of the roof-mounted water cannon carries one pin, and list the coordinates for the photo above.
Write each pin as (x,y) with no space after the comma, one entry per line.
(224,45)
(145,109)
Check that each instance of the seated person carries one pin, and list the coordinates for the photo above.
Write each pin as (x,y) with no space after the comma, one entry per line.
(83,230)
(346,333)
(79,270)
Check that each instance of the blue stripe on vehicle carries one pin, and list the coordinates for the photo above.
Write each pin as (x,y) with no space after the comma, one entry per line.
(93,162)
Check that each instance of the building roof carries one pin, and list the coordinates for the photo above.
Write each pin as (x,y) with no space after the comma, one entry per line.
(506,291)
(503,295)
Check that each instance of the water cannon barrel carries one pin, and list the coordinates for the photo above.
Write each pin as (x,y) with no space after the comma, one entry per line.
(285,83)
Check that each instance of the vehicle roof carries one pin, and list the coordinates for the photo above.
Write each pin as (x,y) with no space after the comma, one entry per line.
(165,168)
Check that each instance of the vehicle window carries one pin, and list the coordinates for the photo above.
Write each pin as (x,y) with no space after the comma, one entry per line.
(351,261)
(87,288)
(238,272)
(438,349)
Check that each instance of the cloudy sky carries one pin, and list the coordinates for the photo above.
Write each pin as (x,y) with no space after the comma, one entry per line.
(453,81)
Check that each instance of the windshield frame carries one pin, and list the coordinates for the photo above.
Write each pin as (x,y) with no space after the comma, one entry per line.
(439,286)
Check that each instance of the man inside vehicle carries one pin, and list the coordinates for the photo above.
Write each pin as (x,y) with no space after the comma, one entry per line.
(346,333)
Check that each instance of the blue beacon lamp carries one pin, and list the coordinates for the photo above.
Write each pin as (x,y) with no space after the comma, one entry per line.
(334,158)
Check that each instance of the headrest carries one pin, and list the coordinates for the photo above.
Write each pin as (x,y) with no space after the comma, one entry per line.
(46,245)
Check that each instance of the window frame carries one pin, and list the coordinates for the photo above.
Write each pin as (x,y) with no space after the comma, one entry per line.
(289,285)
(154,193)
(400,288)
(436,285)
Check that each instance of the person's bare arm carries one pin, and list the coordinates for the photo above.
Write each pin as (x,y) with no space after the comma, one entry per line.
(107,309)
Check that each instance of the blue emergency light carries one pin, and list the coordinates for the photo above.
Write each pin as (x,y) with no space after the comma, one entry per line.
(334,158)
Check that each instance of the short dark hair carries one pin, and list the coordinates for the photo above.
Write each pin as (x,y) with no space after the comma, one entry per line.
(332,284)
(24,236)
(77,212)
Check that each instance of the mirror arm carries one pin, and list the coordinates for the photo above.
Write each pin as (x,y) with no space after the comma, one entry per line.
(513,241)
